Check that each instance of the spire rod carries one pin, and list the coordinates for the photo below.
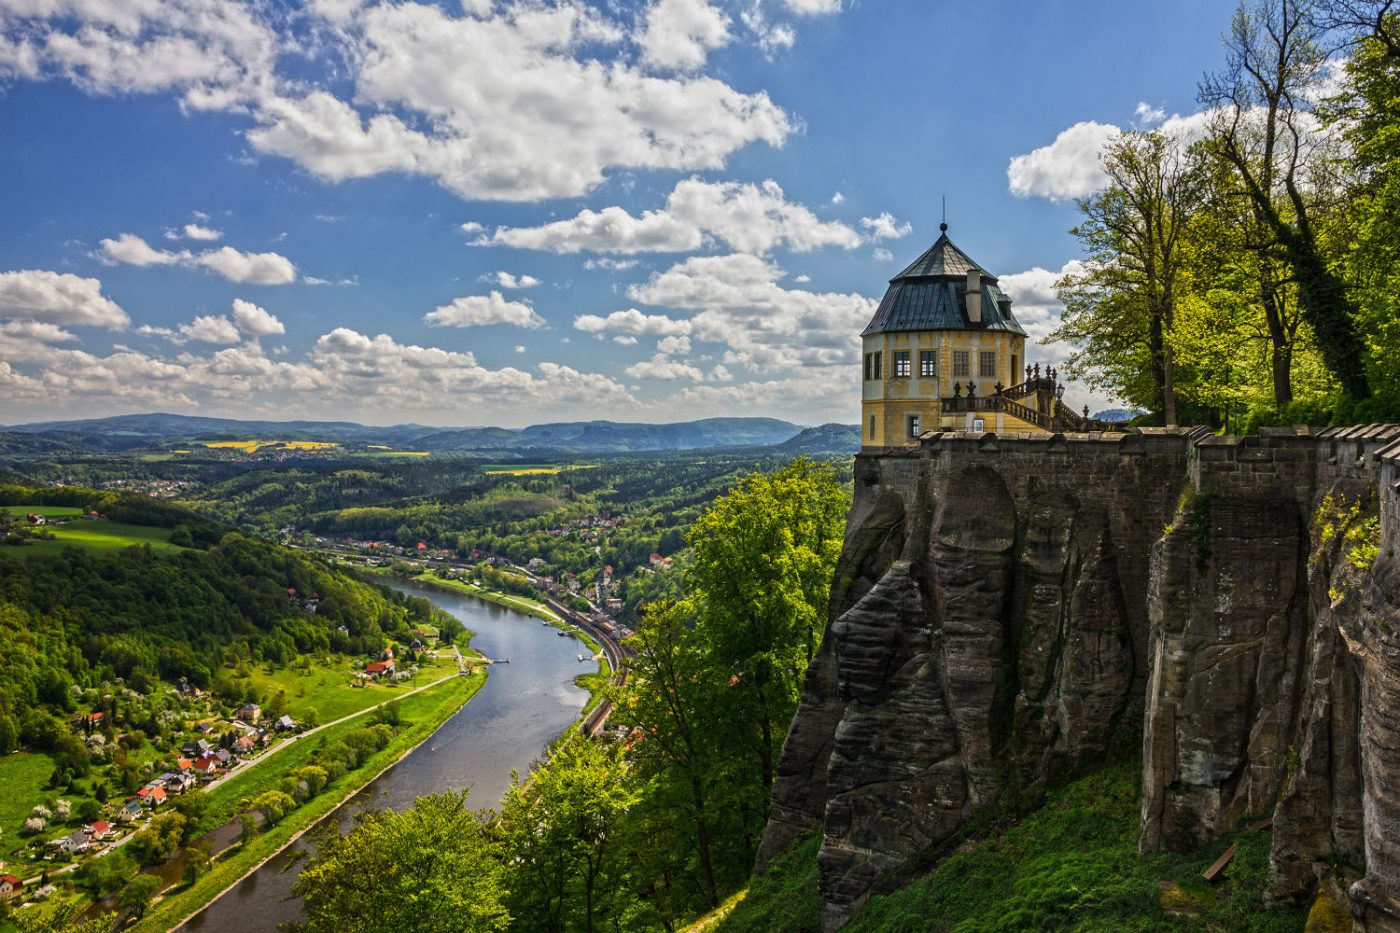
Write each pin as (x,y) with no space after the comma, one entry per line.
(944,225)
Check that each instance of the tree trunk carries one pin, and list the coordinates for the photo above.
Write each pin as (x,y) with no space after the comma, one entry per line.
(702,837)
(1155,349)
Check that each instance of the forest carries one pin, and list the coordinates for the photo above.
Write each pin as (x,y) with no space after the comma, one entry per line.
(1240,265)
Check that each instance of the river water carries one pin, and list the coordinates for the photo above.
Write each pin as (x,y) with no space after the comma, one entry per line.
(523,706)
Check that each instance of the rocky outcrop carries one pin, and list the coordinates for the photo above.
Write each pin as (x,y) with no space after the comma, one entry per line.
(1009,612)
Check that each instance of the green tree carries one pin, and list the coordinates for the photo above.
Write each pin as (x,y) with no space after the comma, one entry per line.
(561,829)
(759,583)
(431,868)
(1121,308)
(1262,106)
(136,897)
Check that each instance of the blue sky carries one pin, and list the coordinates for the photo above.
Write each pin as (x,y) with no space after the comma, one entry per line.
(507,212)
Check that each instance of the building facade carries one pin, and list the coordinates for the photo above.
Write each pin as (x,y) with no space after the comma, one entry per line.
(944,352)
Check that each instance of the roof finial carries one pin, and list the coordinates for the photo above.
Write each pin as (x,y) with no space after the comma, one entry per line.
(944,225)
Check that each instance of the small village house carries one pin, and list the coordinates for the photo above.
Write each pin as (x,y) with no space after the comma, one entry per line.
(10,886)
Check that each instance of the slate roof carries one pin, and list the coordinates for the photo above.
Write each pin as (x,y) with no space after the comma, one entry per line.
(930,295)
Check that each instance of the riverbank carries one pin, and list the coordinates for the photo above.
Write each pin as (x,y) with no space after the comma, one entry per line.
(425,711)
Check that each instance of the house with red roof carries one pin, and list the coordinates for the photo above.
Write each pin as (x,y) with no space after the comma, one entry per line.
(10,886)
(152,796)
(380,668)
(99,831)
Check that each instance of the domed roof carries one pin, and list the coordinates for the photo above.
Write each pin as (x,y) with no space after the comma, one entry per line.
(931,294)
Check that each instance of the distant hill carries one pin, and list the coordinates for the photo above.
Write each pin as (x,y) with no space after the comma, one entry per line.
(829,438)
(1116,414)
(126,432)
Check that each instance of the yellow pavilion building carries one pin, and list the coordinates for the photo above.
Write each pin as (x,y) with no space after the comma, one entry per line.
(945,353)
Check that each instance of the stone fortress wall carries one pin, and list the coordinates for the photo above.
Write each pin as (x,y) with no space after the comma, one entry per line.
(1011,610)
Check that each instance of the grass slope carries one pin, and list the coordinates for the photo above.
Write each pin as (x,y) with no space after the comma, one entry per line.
(1071,865)
(23,779)
(101,536)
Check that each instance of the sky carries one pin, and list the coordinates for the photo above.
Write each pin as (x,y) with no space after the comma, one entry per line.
(514,211)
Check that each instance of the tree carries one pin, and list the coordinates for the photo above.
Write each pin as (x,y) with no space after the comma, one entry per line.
(197,862)
(1263,126)
(560,827)
(764,557)
(136,897)
(431,868)
(1120,310)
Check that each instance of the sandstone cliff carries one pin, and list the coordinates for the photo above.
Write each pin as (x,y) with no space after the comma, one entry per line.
(1008,612)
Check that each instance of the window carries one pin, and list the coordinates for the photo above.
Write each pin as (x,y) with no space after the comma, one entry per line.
(914,426)
(987,365)
(872,366)
(928,364)
(872,427)
(979,425)
(960,363)
(901,364)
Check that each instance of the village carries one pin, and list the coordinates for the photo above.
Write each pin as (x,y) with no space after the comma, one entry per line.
(133,756)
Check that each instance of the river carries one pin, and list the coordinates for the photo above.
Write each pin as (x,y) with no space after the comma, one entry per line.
(523,706)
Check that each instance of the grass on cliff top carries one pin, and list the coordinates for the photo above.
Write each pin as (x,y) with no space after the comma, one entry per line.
(1071,865)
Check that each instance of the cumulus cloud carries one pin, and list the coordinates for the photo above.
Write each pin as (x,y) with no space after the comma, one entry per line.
(632,322)
(129,249)
(194,232)
(513,100)
(479,310)
(255,321)
(248,268)
(40,332)
(207,328)
(679,34)
(885,227)
(232,264)
(1070,166)
(1067,168)
(744,216)
(507,280)
(739,302)
(612,265)
(663,368)
(519,104)
(58,298)
(625,340)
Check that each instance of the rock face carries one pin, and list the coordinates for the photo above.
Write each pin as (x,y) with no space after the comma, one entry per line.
(1009,612)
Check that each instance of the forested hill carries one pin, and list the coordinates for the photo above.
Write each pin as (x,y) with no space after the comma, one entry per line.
(133,432)
(81,617)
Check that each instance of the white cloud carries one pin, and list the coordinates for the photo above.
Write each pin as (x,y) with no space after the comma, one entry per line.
(58,298)
(1071,167)
(507,280)
(1067,168)
(670,346)
(512,100)
(772,38)
(194,232)
(519,348)
(813,7)
(612,265)
(632,322)
(232,264)
(207,328)
(510,104)
(129,249)
(837,198)
(625,340)
(663,368)
(248,268)
(40,332)
(255,321)
(744,216)
(739,303)
(479,310)
(679,34)
(880,254)
(885,227)
(1145,115)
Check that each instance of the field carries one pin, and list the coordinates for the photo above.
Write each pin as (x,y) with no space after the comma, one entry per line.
(253,446)
(533,469)
(48,511)
(101,536)
(325,686)
(24,777)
